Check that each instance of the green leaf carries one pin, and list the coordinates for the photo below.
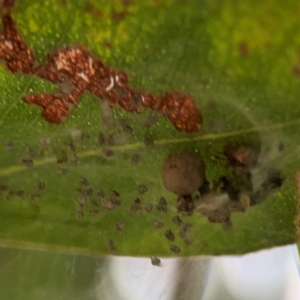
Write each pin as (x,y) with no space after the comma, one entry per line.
(240,63)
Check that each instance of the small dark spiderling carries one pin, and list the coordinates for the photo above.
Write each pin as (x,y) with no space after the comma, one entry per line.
(136,206)
(35,197)
(94,213)
(114,194)
(74,158)
(3,187)
(101,139)
(170,235)
(31,153)
(151,120)
(177,221)
(111,245)
(155,261)
(120,226)
(162,205)
(110,140)
(62,171)
(108,204)
(62,159)
(40,186)
(188,241)
(135,158)
(79,213)
(100,193)
(142,189)
(83,181)
(95,203)
(20,193)
(9,146)
(108,152)
(84,137)
(45,142)
(71,146)
(158,224)
(148,207)
(148,142)
(82,200)
(27,162)
(8,194)
(175,249)
(187,226)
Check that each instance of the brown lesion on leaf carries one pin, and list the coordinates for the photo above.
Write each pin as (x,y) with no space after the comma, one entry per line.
(77,68)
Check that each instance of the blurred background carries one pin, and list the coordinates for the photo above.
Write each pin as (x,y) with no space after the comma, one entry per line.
(267,275)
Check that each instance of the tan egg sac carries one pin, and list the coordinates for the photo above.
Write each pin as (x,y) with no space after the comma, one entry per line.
(183,173)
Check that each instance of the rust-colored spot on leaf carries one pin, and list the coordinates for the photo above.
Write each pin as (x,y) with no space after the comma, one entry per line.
(77,67)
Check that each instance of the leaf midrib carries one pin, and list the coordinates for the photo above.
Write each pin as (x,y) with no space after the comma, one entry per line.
(211,136)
